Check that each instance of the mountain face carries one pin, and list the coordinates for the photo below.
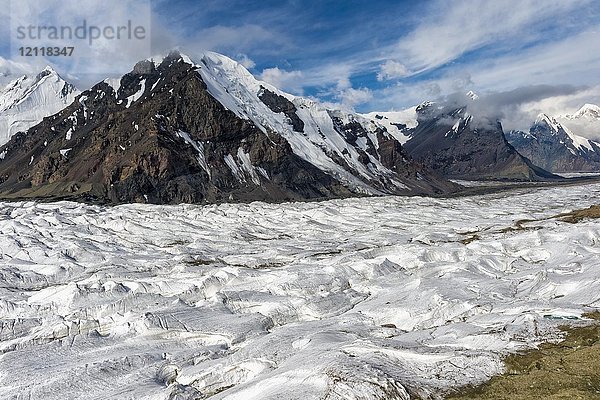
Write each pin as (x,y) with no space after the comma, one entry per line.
(175,131)
(398,123)
(553,146)
(25,101)
(453,143)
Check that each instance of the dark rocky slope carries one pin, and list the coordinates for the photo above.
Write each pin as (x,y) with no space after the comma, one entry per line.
(452,143)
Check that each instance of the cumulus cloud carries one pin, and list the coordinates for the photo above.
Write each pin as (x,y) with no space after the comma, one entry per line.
(392,70)
(284,80)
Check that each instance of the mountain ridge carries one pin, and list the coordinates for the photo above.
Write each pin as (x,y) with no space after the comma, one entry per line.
(177,131)
(553,146)
(458,145)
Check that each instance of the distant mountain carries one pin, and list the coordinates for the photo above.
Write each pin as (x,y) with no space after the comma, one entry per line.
(458,145)
(585,122)
(587,111)
(173,130)
(25,101)
(555,147)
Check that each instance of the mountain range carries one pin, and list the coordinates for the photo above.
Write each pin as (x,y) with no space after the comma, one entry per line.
(176,130)
(553,146)
(173,130)
(458,145)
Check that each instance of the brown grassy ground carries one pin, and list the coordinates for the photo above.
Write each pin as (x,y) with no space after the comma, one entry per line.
(578,215)
(566,370)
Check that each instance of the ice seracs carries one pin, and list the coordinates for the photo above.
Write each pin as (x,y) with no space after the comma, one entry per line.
(364,298)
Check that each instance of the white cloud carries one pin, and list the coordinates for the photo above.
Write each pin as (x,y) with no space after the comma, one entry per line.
(106,56)
(10,70)
(337,74)
(351,97)
(572,60)
(392,70)
(333,78)
(452,29)
(284,80)
(563,105)
(239,39)
(245,61)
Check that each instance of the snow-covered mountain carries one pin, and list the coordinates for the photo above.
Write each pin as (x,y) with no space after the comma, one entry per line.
(553,146)
(456,144)
(584,122)
(397,123)
(345,145)
(176,130)
(25,101)
(587,111)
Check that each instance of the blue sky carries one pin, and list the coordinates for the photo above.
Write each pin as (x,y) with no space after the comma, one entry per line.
(391,54)
(382,55)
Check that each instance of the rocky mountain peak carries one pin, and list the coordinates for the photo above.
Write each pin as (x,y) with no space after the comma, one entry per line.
(25,101)
(453,142)
(544,120)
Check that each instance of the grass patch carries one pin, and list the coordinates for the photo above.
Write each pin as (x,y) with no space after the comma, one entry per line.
(566,370)
(572,217)
(578,215)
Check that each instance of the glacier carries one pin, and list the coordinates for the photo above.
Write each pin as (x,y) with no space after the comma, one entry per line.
(378,298)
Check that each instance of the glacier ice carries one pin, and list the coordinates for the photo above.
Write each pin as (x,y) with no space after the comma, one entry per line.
(378,298)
